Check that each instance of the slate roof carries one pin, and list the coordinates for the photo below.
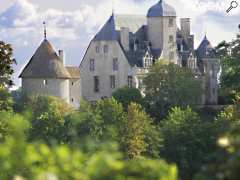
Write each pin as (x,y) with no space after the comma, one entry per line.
(161,9)
(45,63)
(74,72)
(108,31)
(205,49)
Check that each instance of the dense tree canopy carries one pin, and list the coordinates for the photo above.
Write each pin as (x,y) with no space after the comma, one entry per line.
(169,85)
(126,96)
(230,69)
(6,61)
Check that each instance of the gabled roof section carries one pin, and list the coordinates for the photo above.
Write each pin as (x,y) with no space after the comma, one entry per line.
(45,63)
(205,49)
(108,31)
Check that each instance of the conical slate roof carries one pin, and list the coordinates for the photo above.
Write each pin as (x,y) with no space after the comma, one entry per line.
(161,9)
(45,63)
(108,31)
(205,49)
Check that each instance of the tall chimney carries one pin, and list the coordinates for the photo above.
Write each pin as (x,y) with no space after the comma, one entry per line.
(185,27)
(61,56)
(124,38)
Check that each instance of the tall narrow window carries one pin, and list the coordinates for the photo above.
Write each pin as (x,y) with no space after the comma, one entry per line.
(105,49)
(171,55)
(130,81)
(213,71)
(97,49)
(92,65)
(115,64)
(112,82)
(170,23)
(96,84)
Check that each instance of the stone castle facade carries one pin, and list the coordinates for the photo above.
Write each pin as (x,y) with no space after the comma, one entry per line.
(120,55)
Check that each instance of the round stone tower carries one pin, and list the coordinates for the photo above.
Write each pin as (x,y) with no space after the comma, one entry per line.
(162,30)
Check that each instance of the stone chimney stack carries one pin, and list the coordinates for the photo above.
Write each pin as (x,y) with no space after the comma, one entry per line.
(124,38)
(62,56)
(185,27)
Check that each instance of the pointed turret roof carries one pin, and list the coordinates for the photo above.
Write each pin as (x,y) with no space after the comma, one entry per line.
(205,49)
(161,9)
(108,31)
(45,63)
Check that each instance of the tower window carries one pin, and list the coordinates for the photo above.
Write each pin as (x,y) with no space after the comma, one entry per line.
(96,84)
(72,99)
(170,23)
(112,82)
(170,39)
(105,49)
(130,81)
(45,82)
(171,55)
(72,83)
(92,65)
(115,64)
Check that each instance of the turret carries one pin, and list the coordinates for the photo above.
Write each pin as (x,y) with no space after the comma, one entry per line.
(162,30)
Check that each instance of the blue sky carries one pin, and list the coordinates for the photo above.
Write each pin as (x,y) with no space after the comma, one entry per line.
(72,23)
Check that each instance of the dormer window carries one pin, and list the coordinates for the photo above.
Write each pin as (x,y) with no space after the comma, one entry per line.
(45,82)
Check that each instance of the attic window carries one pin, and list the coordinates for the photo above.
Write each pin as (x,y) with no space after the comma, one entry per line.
(105,49)
(45,82)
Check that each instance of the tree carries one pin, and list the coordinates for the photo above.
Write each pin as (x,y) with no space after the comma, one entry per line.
(229,54)
(126,95)
(47,121)
(6,100)
(169,85)
(6,61)
(226,162)
(188,141)
(138,133)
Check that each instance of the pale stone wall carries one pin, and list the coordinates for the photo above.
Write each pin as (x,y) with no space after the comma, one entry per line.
(158,34)
(75,92)
(54,87)
(211,69)
(124,36)
(103,69)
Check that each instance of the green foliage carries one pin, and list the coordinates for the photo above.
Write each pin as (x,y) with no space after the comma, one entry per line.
(226,162)
(47,121)
(135,130)
(20,158)
(230,69)
(6,101)
(127,95)
(168,85)
(6,61)
(188,141)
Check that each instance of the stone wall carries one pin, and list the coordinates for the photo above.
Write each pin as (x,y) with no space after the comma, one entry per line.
(103,69)
(50,87)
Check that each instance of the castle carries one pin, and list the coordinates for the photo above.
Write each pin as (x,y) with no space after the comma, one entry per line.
(120,55)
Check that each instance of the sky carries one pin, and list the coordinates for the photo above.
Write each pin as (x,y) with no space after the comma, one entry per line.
(71,24)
